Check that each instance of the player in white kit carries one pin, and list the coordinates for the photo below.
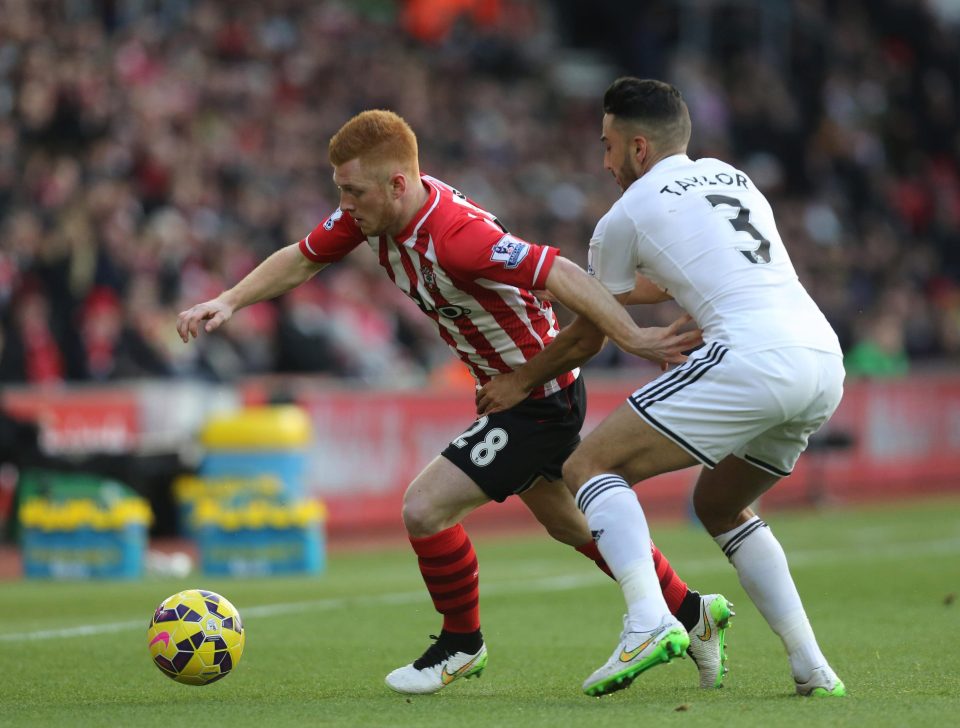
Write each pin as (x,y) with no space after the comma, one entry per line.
(769,374)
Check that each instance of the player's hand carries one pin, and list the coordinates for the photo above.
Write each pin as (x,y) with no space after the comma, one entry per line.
(215,312)
(665,344)
(500,393)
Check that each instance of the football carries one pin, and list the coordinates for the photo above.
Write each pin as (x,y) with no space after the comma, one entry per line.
(196,637)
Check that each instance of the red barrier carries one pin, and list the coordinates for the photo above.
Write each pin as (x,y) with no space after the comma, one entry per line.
(80,421)
(903,438)
(368,445)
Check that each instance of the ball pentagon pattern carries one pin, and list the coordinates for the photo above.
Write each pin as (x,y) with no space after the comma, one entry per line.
(196,637)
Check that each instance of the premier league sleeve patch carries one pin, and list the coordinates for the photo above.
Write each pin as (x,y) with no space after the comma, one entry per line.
(332,220)
(510,251)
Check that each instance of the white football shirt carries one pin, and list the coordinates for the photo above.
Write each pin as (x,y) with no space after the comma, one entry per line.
(703,232)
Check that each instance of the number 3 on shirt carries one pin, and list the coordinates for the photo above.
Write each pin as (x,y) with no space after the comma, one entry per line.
(486,450)
(741,223)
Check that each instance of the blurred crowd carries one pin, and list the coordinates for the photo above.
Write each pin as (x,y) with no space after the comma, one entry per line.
(153,151)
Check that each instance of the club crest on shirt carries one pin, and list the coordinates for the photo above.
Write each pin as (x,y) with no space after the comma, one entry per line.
(509,251)
(337,214)
(429,279)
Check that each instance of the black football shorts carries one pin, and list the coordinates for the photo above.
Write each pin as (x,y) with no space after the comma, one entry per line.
(504,453)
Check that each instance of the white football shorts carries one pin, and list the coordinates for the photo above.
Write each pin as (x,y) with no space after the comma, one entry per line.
(762,407)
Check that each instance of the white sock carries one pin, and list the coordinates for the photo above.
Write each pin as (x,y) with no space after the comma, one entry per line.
(762,567)
(620,529)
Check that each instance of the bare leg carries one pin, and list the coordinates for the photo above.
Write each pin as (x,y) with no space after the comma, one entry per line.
(552,504)
(438,498)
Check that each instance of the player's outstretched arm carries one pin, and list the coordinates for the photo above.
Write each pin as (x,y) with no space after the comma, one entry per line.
(587,297)
(285,269)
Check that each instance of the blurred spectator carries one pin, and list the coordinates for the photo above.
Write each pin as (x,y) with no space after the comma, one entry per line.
(880,352)
(152,153)
(31,353)
(433,20)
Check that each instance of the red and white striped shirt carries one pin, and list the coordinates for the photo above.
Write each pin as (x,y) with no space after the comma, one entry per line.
(466,273)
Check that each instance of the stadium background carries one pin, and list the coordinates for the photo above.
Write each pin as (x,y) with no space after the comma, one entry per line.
(152,151)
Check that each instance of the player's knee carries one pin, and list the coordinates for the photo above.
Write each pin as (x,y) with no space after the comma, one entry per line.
(420,517)
(715,516)
(706,511)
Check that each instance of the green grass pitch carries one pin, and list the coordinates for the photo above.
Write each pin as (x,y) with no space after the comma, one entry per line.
(878,583)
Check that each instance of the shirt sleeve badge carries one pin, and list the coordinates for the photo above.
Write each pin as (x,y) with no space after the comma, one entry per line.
(510,251)
(330,221)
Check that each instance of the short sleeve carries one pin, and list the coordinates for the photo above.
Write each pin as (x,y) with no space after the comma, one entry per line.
(480,249)
(613,257)
(332,239)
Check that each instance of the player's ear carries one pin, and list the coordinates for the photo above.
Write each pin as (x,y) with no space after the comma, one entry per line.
(641,148)
(398,184)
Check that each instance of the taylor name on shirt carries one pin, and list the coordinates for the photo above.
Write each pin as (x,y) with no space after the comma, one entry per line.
(721,178)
